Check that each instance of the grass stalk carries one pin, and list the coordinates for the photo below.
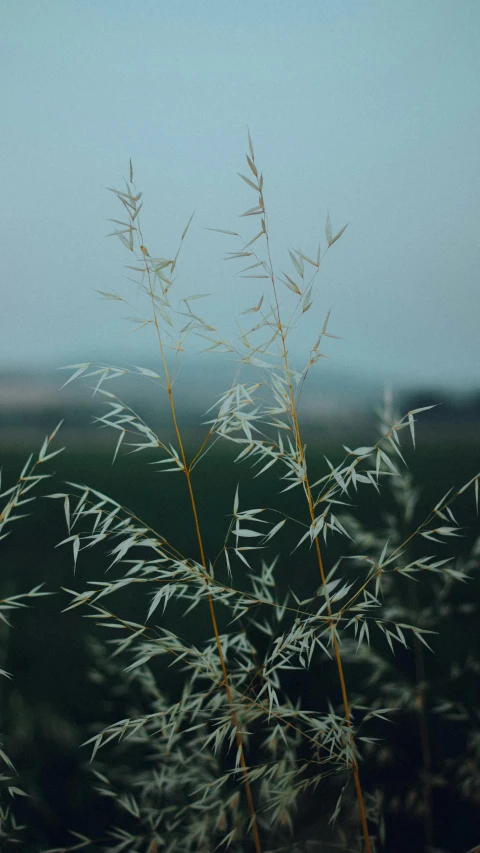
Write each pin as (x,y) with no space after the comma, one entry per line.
(295,748)
(211,606)
(311,509)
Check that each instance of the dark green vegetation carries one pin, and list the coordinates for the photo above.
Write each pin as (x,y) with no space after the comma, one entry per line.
(54,702)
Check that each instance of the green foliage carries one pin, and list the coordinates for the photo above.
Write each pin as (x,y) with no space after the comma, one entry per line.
(15,498)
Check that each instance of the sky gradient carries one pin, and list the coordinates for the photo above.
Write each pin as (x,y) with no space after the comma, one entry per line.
(366,110)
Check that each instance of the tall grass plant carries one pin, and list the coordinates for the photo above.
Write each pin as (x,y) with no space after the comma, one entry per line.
(283,647)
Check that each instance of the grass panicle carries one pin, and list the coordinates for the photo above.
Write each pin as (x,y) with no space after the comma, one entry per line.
(268,672)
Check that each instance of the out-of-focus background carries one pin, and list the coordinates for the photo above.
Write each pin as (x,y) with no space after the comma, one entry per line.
(365,111)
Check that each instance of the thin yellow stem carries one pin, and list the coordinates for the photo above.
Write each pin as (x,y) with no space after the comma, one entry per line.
(186,470)
(311,508)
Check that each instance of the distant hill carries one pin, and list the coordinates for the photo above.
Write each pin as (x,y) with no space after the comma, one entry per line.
(33,402)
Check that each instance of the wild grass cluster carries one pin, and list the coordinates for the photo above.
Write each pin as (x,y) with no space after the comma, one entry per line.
(283,722)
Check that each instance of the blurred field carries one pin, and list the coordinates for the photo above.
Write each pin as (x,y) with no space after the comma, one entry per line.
(49,707)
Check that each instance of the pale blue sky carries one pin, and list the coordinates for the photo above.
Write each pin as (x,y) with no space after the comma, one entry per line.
(368,110)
